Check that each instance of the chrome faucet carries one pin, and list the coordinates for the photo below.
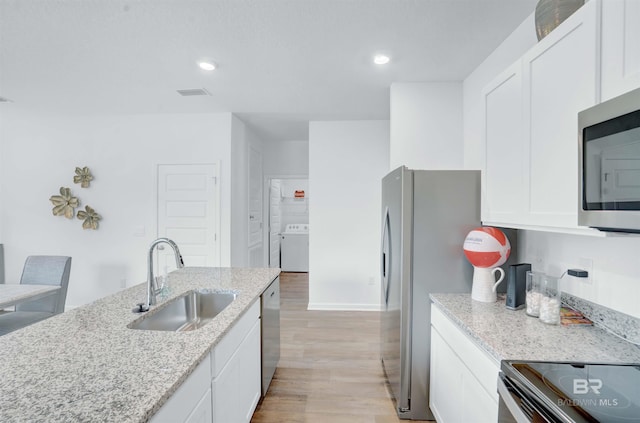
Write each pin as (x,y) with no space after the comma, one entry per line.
(152,285)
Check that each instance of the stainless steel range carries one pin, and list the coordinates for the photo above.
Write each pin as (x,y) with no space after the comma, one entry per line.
(569,392)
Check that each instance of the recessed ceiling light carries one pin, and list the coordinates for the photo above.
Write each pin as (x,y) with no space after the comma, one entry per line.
(208,66)
(381,59)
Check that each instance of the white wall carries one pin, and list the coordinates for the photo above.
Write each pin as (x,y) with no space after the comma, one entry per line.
(615,276)
(426,125)
(286,158)
(615,279)
(40,155)
(347,161)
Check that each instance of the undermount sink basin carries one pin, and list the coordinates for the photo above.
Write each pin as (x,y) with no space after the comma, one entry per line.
(190,311)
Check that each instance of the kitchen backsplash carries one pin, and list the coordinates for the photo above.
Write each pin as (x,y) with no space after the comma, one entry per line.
(622,325)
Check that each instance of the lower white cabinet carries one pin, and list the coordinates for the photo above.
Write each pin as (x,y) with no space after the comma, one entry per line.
(463,384)
(236,389)
(202,413)
(226,386)
(192,401)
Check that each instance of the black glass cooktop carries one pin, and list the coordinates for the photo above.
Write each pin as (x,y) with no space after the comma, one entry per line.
(583,392)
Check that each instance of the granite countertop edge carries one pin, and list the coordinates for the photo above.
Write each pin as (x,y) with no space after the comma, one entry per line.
(104,371)
(511,334)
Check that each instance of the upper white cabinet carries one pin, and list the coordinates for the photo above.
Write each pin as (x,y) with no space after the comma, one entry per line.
(620,47)
(560,79)
(504,198)
(531,120)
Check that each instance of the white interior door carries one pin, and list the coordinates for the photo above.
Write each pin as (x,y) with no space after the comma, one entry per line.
(189,213)
(274,223)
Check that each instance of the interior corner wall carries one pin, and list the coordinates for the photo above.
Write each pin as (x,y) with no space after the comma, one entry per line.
(614,278)
(426,125)
(41,152)
(242,137)
(239,199)
(347,161)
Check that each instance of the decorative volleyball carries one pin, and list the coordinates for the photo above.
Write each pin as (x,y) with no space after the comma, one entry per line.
(487,247)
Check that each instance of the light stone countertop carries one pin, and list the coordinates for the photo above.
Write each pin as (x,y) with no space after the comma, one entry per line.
(512,335)
(85,365)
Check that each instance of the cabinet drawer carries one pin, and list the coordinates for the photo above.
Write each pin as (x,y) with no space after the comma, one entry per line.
(483,367)
(232,340)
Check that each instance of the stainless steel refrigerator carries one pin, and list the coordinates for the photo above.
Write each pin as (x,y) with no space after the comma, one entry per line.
(426,215)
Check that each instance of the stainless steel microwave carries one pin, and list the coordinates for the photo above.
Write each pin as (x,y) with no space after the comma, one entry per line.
(609,167)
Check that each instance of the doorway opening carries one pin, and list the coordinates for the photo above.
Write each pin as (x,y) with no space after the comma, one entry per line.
(288,229)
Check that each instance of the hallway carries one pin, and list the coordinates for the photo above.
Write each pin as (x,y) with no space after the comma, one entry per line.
(329,368)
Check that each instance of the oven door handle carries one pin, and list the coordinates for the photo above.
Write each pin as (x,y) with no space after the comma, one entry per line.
(506,396)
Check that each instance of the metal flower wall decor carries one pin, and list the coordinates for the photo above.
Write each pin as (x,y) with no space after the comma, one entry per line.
(65,204)
(90,218)
(83,177)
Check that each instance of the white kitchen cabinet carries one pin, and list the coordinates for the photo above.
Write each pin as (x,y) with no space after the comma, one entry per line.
(203,412)
(560,80)
(503,180)
(192,400)
(236,383)
(620,47)
(463,383)
(236,390)
(226,385)
(531,121)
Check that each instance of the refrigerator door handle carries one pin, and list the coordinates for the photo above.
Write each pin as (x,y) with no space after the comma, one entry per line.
(386,257)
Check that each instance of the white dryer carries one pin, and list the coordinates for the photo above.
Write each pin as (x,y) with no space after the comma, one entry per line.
(295,248)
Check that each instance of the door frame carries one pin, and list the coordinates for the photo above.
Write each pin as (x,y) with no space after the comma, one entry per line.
(266,207)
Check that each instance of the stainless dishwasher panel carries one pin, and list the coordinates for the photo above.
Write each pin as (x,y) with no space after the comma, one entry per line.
(270,303)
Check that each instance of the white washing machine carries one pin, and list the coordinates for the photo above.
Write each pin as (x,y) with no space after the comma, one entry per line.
(295,248)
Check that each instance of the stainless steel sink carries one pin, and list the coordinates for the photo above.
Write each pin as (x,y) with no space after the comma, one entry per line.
(190,311)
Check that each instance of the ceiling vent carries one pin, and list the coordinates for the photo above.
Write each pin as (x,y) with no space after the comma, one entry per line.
(192,92)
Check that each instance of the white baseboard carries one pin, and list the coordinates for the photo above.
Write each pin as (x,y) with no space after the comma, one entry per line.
(343,307)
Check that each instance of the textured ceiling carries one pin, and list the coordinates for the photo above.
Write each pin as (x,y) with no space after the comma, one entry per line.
(281,62)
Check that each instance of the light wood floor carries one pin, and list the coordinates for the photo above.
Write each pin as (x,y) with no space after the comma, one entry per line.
(329,368)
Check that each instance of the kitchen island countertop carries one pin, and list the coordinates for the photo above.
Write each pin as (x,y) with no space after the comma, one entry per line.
(85,365)
(512,335)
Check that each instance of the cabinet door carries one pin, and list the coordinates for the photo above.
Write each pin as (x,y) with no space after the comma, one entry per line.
(504,186)
(479,406)
(202,413)
(620,47)
(192,401)
(445,381)
(236,389)
(560,79)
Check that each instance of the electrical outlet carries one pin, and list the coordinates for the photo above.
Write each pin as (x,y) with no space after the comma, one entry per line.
(372,280)
(537,264)
(586,264)
(123,283)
